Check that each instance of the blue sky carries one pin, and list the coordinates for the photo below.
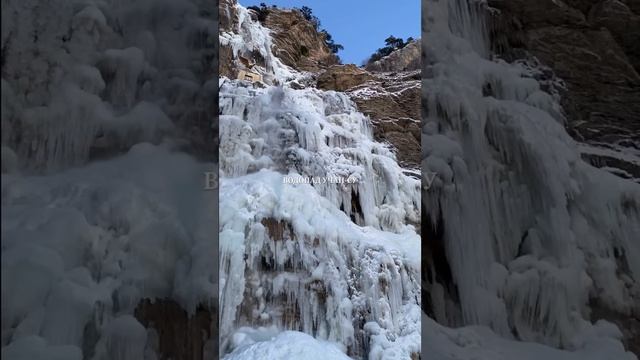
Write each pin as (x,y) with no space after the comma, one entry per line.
(359,25)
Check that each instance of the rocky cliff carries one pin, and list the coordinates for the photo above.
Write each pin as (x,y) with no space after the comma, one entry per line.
(404,59)
(298,42)
(390,97)
(594,48)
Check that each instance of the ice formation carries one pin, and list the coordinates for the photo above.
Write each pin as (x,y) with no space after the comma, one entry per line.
(102,196)
(287,345)
(532,235)
(314,220)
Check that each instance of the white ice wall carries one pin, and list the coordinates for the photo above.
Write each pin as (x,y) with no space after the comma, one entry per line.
(532,232)
(94,216)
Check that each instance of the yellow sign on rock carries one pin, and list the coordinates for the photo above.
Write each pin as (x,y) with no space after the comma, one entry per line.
(248,75)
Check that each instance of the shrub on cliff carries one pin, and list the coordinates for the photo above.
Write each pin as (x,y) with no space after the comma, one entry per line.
(262,11)
(328,40)
(392,44)
(307,13)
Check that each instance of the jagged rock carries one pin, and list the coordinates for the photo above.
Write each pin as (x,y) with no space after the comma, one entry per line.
(297,41)
(405,59)
(343,77)
(228,16)
(392,101)
(227,67)
(394,109)
(535,14)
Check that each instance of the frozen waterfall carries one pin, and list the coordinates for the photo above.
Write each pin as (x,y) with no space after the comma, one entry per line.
(103,175)
(528,235)
(314,233)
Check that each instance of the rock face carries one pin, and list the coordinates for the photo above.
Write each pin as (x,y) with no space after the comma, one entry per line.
(275,273)
(343,77)
(388,91)
(228,19)
(228,16)
(297,42)
(594,47)
(405,59)
(391,100)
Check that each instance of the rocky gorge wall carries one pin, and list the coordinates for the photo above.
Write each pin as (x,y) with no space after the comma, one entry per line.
(594,48)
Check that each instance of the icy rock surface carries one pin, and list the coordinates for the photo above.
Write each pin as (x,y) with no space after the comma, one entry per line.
(98,101)
(532,234)
(250,37)
(313,227)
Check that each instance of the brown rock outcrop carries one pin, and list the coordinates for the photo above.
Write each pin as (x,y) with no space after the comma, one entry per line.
(228,18)
(297,42)
(392,101)
(389,94)
(594,47)
(405,59)
(343,77)
(228,22)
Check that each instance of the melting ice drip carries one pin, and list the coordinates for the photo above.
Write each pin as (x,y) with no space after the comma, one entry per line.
(531,232)
(333,259)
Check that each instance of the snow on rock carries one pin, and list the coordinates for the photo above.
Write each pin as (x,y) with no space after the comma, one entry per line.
(250,36)
(532,233)
(314,233)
